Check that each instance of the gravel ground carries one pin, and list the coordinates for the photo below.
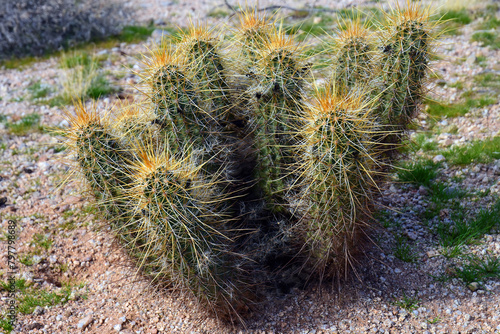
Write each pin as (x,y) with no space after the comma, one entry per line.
(106,294)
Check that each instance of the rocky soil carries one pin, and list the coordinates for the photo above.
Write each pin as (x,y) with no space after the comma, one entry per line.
(63,248)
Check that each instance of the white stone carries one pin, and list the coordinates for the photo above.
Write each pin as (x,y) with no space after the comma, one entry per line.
(82,324)
(438,158)
(63,124)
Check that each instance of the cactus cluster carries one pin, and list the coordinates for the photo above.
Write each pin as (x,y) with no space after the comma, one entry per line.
(237,171)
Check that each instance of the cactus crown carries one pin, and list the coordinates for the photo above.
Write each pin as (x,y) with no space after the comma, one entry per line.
(253,31)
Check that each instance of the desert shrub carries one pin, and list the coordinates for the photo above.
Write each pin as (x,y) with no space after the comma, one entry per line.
(32,27)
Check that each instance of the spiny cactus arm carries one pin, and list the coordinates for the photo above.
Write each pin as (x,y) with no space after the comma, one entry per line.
(103,161)
(278,103)
(338,181)
(407,39)
(203,54)
(174,97)
(354,56)
(186,228)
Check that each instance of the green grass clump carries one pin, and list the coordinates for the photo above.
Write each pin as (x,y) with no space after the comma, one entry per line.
(309,27)
(99,87)
(481,61)
(42,241)
(476,152)
(404,251)
(439,109)
(6,326)
(38,90)
(490,80)
(27,259)
(421,141)
(131,34)
(33,298)
(441,192)
(78,59)
(83,79)
(490,22)
(459,16)
(445,197)
(458,85)
(27,124)
(218,13)
(407,302)
(464,230)
(418,172)
(454,20)
(29,297)
(451,252)
(477,269)
(487,39)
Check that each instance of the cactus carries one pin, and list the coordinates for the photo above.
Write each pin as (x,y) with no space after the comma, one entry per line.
(253,33)
(180,110)
(339,163)
(174,98)
(135,122)
(206,64)
(232,174)
(100,155)
(406,42)
(186,227)
(277,115)
(354,63)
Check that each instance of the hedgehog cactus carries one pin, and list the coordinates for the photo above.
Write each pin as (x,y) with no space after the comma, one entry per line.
(404,63)
(206,65)
(102,158)
(253,32)
(185,220)
(232,174)
(354,64)
(174,98)
(339,164)
(277,115)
